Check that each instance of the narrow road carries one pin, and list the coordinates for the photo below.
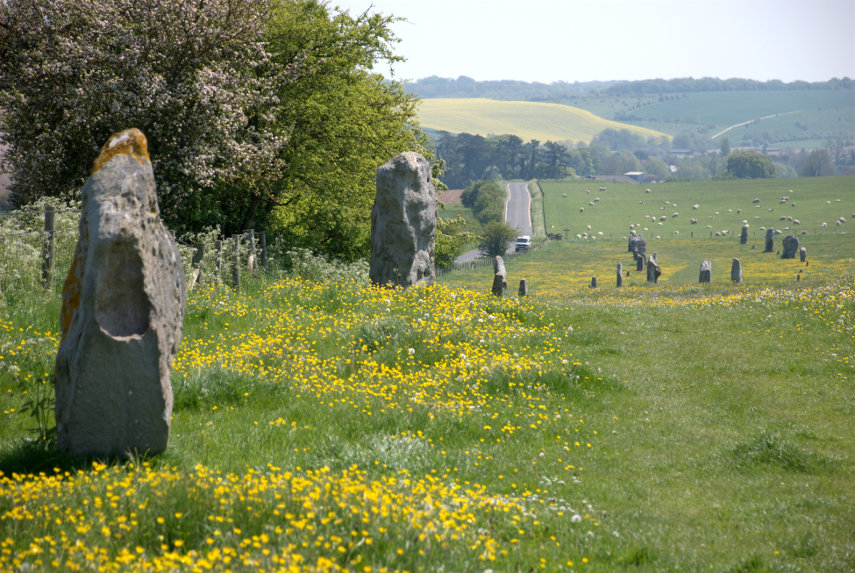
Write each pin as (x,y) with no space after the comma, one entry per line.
(517,215)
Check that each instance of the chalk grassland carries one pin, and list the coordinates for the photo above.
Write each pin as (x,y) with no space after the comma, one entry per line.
(791,118)
(528,120)
(331,426)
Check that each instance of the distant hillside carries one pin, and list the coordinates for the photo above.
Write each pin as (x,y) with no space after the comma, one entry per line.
(527,120)
(768,114)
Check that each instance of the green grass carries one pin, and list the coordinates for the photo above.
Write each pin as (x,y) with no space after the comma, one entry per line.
(528,120)
(722,206)
(801,118)
(674,427)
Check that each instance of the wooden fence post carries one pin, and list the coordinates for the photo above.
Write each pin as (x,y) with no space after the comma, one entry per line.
(218,246)
(265,262)
(236,267)
(48,247)
(250,257)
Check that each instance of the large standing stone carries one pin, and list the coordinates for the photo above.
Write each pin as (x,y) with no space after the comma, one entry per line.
(122,312)
(791,246)
(403,223)
(803,254)
(736,271)
(523,288)
(770,241)
(705,272)
(743,237)
(619,281)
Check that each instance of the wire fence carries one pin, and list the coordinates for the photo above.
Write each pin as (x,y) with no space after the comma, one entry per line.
(40,259)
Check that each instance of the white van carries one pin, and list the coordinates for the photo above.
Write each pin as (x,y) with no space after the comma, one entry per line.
(523,243)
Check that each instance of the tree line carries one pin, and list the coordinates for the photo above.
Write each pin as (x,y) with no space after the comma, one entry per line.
(259,113)
(463,86)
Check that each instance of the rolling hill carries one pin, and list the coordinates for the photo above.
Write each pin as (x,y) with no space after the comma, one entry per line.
(527,120)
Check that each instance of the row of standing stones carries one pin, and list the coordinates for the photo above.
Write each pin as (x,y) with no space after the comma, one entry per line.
(123,300)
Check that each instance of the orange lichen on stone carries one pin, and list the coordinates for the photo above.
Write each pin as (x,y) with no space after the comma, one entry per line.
(128,142)
(71,289)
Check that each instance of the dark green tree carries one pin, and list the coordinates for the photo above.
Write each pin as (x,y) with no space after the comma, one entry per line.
(749,165)
(341,122)
(817,163)
(494,238)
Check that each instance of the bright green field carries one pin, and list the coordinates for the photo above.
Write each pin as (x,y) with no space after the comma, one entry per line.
(721,206)
(528,120)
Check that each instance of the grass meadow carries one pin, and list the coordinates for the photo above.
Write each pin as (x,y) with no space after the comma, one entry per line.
(528,120)
(332,426)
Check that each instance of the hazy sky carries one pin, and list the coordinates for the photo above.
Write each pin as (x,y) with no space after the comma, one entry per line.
(584,40)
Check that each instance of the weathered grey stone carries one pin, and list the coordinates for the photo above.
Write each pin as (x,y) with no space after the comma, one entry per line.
(619,275)
(653,270)
(639,262)
(743,237)
(770,241)
(593,282)
(500,279)
(403,223)
(705,272)
(638,245)
(523,288)
(791,246)
(803,254)
(736,271)
(122,312)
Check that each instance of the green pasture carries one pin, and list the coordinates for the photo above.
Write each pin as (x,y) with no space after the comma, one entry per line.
(327,425)
(611,208)
(528,120)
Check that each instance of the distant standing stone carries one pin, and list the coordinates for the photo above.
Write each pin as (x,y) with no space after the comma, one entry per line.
(706,272)
(403,223)
(791,245)
(743,237)
(770,241)
(736,271)
(803,254)
(523,288)
(653,270)
(122,312)
(593,282)
(500,279)
(619,275)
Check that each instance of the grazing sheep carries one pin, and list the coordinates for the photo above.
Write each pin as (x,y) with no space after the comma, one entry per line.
(675,214)
(590,203)
(588,227)
(602,188)
(823,225)
(696,206)
(796,222)
(755,200)
(663,218)
(581,209)
(564,194)
(647,190)
(828,202)
(842,219)
(693,221)
(596,199)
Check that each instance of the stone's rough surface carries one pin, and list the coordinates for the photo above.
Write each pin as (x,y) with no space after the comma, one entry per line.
(500,277)
(122,313)
(403,223)
(736,271)
(743,237)
(791,246)
(706,272)
(653,270)
(770,241)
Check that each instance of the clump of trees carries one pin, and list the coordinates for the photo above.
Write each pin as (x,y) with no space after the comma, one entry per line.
(259,113)
(750,165)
